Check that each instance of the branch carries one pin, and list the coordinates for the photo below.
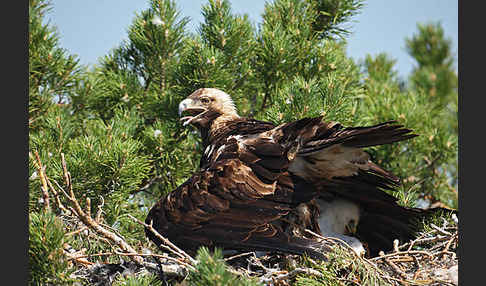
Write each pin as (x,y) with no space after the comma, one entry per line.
(147,185)
(90,222)
(42,177)
(169,245)
(290,275)
(56,195)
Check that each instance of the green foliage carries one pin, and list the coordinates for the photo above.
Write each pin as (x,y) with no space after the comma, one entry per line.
(428,47)
(285,42)
(221,55)
(155,39)
(331,92)
(103,160)
(47,263)
(343,268)
(139,280)
(204,65)
(434,73)
(422,161)
(124,146)
(52,73)
(110,90)
(333,14)
(212,271)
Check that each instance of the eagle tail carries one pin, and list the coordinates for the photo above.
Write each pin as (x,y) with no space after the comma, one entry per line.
(380,228)
(382,219)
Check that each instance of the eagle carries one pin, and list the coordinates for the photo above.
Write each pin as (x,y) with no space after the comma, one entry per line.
(260,186)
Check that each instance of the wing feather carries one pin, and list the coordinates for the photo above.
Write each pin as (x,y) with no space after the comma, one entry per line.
(255,174)
(227,205)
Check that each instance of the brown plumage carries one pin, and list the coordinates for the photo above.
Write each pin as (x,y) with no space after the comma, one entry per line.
(259,185)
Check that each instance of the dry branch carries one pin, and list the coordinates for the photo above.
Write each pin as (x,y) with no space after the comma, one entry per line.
(42,177)
(289,275)
(169,245)
(85,217)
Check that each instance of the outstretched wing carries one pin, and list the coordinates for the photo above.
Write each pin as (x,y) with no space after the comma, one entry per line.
(329,150)
(331,157)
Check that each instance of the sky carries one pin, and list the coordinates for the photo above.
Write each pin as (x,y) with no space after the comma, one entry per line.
(91,28)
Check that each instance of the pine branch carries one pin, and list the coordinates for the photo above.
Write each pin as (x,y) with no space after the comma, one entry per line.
(93,224)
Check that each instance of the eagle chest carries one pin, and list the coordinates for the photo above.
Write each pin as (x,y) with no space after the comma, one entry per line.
(226,149)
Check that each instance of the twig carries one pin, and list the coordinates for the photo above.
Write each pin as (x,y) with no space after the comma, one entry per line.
(60,188)
(446,249)
(42,177)
(58,123)
(396,268)
(238,255)
(147,185)
(421,240)
(290,275)
(402,253)
(72,257)
(365,261)
(77,231)
(56,195)
(395,245)
(158,256)
(440,229)
(100,210)
(171,247)
(88,221)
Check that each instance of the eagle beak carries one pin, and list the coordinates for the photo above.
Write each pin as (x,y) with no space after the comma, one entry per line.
(193,108)
(183,105)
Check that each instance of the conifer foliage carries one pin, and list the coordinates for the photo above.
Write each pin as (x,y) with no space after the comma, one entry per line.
(110,133)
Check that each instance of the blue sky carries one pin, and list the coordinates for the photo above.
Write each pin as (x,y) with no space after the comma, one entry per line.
(90,28)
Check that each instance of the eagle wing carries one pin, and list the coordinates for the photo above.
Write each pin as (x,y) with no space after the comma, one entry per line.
(254,174)
(237,202)
(331,157)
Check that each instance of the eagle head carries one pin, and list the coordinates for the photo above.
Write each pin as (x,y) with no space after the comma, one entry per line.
(206,104)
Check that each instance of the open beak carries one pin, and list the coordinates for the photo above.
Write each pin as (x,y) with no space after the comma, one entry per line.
(188,105)
(184,105)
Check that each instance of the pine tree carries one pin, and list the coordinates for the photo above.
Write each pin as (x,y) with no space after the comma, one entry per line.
(436,78)
(116,124)
(52,73)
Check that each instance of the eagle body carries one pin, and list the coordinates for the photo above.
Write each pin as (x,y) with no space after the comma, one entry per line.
(260,185)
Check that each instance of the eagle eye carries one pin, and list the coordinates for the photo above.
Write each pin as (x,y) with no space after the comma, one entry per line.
(205,100)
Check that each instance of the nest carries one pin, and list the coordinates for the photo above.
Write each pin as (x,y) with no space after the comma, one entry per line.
(430,259)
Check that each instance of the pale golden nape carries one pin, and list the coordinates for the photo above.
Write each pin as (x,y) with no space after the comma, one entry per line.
(222,101)
(210,98)
(208,104)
